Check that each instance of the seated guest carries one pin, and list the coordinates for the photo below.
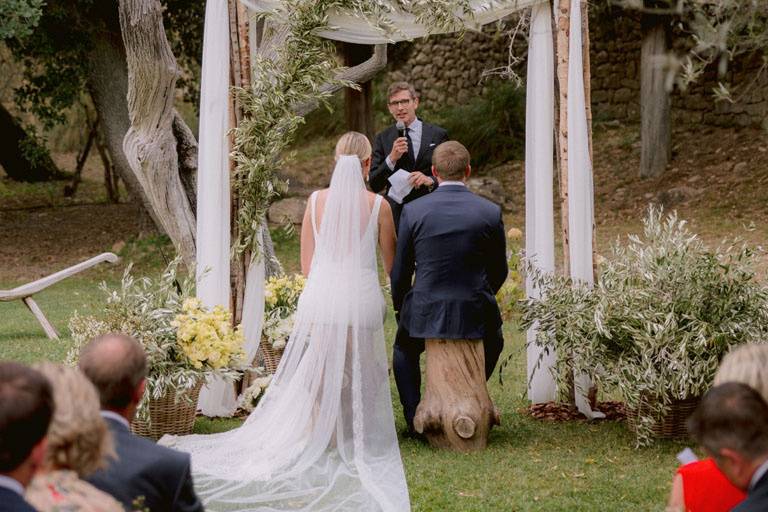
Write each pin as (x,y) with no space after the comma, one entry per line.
(78,441)
(26,408)
(731,423)
(157,475)
(700,486)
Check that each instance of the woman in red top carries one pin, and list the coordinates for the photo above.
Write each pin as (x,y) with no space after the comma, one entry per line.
(700,486)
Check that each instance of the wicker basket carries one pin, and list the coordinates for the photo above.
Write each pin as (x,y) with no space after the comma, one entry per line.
(270,357)
(672,425)
(170,416)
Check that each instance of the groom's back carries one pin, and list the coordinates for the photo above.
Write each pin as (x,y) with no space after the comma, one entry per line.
(455,240)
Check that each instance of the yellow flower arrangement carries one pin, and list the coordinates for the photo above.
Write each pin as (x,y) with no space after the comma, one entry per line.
(281,298)
(207,338)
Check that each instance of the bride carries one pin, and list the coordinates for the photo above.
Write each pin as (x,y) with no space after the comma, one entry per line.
(323,436)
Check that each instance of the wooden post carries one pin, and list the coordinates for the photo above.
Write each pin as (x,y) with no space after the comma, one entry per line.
(456,412)
(562,43)
(44,323)
(240,76)
(655,105)
(358,110)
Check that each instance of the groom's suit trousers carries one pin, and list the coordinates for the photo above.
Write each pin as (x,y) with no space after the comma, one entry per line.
(406,363)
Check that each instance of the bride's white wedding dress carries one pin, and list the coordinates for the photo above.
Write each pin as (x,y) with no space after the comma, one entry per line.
(323,437)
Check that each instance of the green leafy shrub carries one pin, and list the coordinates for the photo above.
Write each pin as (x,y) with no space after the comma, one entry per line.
(491,125)
(663,311)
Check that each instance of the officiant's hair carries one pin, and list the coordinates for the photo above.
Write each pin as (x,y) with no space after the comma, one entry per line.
(451,159)
(116,364)
(396,87)
(354,143)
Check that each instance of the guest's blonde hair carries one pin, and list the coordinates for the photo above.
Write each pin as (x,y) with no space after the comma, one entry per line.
(746,364)
(78,438)
(354,143)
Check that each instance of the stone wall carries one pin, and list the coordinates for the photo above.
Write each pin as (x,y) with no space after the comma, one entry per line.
(449,71)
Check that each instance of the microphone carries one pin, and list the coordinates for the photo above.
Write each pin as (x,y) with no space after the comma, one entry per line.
(400,128)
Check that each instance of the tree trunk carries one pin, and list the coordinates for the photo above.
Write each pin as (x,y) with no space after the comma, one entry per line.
(358,111)
(150,145)
(456,412)
(655,102)
(108,84)
(18,166)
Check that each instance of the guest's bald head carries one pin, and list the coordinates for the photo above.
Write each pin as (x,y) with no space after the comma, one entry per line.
(116,365)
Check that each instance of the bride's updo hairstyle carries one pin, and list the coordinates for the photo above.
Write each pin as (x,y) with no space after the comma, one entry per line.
(354,143)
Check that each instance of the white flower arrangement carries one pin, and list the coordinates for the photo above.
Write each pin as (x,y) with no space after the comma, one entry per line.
(281,300)
(253,393)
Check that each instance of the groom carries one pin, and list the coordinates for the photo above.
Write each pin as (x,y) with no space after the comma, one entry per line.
(455,243)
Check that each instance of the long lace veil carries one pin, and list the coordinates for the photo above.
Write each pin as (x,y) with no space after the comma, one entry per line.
(322,438)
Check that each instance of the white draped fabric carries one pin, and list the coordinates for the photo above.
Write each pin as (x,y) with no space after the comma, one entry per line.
(355,29)
(539,213)
(580,187)
(217,397)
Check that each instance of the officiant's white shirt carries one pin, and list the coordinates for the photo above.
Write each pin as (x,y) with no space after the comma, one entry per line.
(414,132)
(452,183)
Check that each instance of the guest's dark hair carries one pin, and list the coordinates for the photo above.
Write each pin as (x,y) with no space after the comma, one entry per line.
(26,408)
(734,416)
(116,365)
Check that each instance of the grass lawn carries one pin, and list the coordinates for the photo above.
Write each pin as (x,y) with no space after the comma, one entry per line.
(529,464)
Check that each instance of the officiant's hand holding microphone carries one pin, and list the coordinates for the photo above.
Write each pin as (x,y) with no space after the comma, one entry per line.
(399,148)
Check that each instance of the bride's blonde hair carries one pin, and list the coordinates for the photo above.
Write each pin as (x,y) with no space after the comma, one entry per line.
(354,143)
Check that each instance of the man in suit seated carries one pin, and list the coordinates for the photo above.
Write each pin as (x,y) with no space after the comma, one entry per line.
(411,151)
(117,366)
(731,423)
(455,243)
(26,409)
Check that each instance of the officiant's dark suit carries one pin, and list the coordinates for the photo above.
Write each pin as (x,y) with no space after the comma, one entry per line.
(455,243)
(422,138)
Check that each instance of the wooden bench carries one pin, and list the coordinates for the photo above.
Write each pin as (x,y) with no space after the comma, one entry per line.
(24,292)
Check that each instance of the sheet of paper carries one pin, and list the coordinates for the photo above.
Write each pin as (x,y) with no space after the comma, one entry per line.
(400,187)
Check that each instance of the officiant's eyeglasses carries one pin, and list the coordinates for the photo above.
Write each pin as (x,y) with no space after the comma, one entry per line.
(399,103)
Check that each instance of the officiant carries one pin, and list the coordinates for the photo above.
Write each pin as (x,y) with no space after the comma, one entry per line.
(408,145)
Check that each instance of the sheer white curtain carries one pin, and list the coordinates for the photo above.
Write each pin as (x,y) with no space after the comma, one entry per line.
(539,214)
(217,397)
(580,186)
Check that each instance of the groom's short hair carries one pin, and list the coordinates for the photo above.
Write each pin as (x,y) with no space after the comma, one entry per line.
(451,160)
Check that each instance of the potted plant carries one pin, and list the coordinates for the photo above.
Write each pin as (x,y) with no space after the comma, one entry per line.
(185,344)
(663,311)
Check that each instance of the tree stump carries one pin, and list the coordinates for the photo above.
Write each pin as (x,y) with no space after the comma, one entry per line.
(456,412)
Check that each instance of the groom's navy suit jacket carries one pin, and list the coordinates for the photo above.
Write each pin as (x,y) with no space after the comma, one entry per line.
(455,243)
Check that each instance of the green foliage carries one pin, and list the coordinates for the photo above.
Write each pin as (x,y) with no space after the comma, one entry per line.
(664,310)
(491,126)
(144,309)
(57,52)
(19,17)
(305,62)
